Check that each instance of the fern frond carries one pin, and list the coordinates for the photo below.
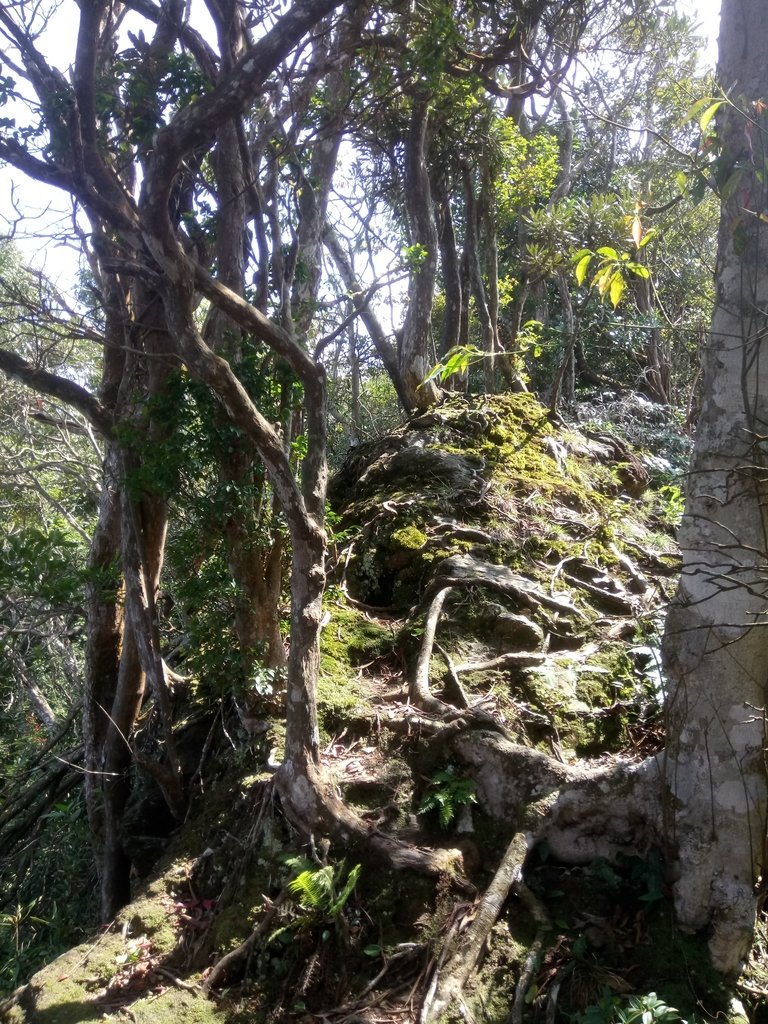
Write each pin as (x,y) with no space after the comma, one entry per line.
(339,903)
(313,889)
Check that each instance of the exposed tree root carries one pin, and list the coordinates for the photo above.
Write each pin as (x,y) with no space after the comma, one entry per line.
(466,571)
(456,694)
(582,813)
(449,980)
(590,811)
(310,803)
(538,912)
(419,690)
(512,659)
(227,963)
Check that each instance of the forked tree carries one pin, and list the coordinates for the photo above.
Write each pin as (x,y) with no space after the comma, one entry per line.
(144,138)
(133,151)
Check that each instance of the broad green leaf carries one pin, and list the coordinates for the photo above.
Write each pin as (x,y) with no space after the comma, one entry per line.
(649,234)
(458,363)
(617,289)
(581,268)
(436,370)
(608,252)
(733,183)
(708,114)
(694,111)
(698,189)
(639,270)
(604,281)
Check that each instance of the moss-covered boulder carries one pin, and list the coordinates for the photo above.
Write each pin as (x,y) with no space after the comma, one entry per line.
(550,541)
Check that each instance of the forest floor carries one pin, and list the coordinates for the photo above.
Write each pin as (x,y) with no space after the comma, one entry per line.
(494,578)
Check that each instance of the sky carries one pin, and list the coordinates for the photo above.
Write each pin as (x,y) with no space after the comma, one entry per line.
(60,261)
(706,14)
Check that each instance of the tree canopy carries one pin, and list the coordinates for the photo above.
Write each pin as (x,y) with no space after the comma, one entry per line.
(297,228)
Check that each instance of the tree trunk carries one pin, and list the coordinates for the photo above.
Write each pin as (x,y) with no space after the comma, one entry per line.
(482,311)
(416,345)
(451,271)
(384,349)
(104,629)
(715,647)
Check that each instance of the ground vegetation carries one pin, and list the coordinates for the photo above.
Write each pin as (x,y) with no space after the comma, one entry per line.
(319,739)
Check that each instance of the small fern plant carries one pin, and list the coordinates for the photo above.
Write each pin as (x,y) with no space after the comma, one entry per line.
(321,896)
(316,890)
(447,792)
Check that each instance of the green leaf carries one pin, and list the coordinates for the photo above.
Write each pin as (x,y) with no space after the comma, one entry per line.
(709,113)
(696,108)
(733,183)
(313,889)
(372,950)
(698,188)
(648,236)
(339,904)
(458,363)
(436,371)
(639,270)
(608,252)
(602,280)
(617,289)
(581,268)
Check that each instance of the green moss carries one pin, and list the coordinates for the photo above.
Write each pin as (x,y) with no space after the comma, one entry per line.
(340,698)
(353,638)
(152,918)
(65,990)
(493,991)
(410,538)
(63,1000)
(175,1006)
(234,922)
(350,640)
(678,969)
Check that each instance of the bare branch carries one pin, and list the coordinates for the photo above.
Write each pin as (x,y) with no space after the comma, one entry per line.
(47,383)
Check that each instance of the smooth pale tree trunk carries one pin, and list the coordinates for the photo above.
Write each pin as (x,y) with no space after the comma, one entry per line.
(716,643)
(415,350)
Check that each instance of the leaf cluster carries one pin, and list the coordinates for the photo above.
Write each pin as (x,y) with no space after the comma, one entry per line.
(446,794)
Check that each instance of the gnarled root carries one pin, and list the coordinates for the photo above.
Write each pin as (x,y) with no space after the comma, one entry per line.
(582,813)
(448,981)
(312,806)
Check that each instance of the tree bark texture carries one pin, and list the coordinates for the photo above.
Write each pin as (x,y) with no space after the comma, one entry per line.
(715,648)
(416,345)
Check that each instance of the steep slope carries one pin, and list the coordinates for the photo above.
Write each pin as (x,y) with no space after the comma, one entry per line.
(494,599)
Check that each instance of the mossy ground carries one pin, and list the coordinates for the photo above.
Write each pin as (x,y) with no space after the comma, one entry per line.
(506,487)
